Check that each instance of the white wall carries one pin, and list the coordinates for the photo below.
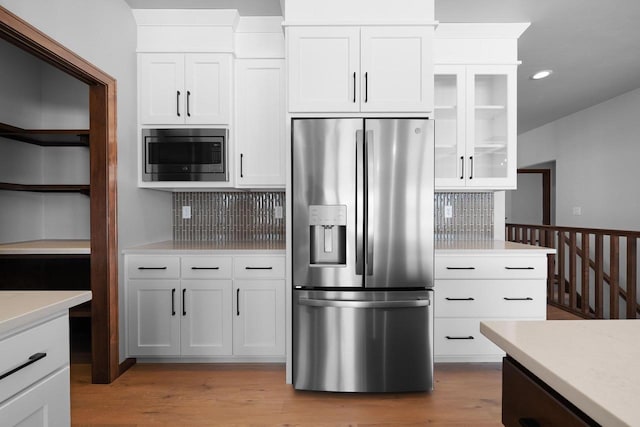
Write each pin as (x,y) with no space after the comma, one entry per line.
(104,33)
(596,152)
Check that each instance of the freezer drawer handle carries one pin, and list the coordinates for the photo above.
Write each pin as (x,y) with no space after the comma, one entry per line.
(205,268)
(519,268)
(460,299)
(461,268)
(364,304)
(470,337)
(32,359)
(152,268)
(518,299)
(258,268)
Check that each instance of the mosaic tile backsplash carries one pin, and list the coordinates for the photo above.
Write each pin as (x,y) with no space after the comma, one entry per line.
(229,216)
(463,216)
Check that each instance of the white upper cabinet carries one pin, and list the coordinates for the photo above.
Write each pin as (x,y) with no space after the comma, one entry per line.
(260,130)
(360,69)
(178,88)
(475,112)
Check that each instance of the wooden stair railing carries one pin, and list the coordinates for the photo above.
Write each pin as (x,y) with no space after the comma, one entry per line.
(574,273)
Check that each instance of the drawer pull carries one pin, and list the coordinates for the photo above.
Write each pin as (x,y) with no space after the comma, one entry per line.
(461,268)
(459,338)
(205,268)
(519,268)
(460,299)
(528,422)
(152,268)
(32,359)
(258,268)
(518,299)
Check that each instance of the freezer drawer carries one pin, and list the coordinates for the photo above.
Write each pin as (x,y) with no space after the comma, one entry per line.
(355,341)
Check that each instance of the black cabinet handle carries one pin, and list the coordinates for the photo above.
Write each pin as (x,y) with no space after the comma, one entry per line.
(462,163)
(258,268)
(237,302)
(366,87)
(205,268)
(519,268)
(188,98)
(241,158)
(518,299)
(460,299)
(459,338)
(471,167)
(173,301)
(152,268)
(178,103)
(184,297)
(32,359)
(354,87)
(528,422)
(461,268)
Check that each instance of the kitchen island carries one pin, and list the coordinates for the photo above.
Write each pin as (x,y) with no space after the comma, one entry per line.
(590,365)
(34,367)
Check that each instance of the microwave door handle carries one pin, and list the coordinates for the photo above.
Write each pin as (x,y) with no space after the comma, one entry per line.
(369,201)
(359,202)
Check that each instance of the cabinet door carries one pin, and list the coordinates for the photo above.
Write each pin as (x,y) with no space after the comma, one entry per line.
(208,88)
(450,110)
(491,126)
(396,69)
(205,324)
(162,93)
(258,326)
(324,67)
(153,317)
(261,124)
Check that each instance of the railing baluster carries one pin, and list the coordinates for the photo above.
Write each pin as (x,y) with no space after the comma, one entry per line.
(561,282)
(632,277)
(614,274)
(586,256)
(573,294)
(551,273)
(599,276)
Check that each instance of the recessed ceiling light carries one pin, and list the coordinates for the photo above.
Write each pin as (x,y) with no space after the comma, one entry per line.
(541,74)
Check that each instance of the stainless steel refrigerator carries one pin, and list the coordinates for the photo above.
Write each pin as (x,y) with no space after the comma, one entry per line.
(362,254)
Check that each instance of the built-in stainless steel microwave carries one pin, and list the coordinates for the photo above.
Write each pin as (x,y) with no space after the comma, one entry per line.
(185,154)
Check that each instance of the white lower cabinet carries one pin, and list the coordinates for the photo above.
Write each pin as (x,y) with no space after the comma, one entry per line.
(202,308)
(473,288)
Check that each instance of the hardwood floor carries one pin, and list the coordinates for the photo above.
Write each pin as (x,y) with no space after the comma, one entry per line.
(240,395)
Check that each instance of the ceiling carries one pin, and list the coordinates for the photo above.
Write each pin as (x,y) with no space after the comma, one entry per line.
(593,46)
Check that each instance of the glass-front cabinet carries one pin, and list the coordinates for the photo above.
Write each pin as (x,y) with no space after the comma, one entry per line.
(475,112)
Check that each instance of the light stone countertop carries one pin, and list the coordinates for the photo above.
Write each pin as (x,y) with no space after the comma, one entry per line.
(488,247)
(47,247)
(595,364)
(21,308)
(200,247)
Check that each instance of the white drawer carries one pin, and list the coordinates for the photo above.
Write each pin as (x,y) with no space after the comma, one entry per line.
(491,267)
(461,337)
(46,346)
(206,267)
(491,298)
(153,267)
(265,267)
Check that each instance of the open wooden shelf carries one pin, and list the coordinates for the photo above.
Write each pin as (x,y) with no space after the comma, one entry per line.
(47,137)
(46,188)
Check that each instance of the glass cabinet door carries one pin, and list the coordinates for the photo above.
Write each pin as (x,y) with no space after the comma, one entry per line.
(491,127)
(449,88)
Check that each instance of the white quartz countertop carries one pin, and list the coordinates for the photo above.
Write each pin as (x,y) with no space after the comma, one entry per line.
(193,247)
(21,308)
(595,364)
(488,247)
(47,247)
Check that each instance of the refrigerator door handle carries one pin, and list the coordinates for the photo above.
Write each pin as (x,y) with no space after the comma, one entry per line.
(369,191)
(364,304)
(360,202)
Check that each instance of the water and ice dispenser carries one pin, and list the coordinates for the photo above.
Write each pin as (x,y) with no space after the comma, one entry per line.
(328,235)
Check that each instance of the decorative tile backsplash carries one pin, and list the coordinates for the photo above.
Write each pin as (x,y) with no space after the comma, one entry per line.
(463,216)
(229,216)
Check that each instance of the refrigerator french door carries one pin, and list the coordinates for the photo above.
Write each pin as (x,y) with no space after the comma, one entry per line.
(362,254)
